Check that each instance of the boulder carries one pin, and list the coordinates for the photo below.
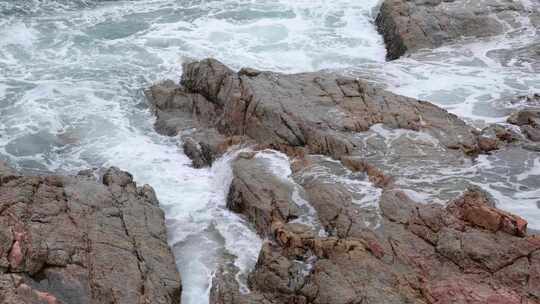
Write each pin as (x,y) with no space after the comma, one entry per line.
(320,112)
(72,239)
(262,196)
(529,122)
(411,25)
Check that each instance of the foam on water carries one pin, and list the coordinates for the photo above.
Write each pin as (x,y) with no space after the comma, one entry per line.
(72,72)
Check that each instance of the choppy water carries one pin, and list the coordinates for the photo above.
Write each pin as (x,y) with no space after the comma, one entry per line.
(72,74)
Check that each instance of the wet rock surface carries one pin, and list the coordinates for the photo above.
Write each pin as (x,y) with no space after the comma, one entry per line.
(529,122)
(320,112)
(72,239)
(260,195)
(407,252)
(466,252)
(343,221)
(408,26)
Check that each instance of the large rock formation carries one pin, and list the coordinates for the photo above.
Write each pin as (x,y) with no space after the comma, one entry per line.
(319,112)
(71,239)
(339,228)
(410,25)
(466,252)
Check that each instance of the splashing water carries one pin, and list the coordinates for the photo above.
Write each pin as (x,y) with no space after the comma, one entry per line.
(72,74)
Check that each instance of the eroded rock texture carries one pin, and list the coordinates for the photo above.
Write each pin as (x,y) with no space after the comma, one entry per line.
(529,122)
(466,252)
(410,25)
(75,240)
(319,112)
(330,241)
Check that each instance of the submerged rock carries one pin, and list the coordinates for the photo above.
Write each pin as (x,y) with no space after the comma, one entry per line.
(72,239)
(410,25)
(529,122)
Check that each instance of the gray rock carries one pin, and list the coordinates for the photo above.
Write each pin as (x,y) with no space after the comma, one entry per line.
(410,25)
(529,122)
(261,196)
(180,113)
(72,239)
(468,252)
(318,111)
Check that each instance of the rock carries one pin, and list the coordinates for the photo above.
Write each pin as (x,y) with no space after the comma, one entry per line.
(328,110)
(529,122)
(202,146)
(376,176)
(179,113)
(533,133)
(335,208)
(72,239)
(411,25)
(344,136)
(324,116)
(488,144)
(475,208)
(466,252)
(525,117)
(499,135)
(263,197)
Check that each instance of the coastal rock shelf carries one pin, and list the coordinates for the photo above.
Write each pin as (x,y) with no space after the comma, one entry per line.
(72,239)
(468,252)
(320,112)
(348,147)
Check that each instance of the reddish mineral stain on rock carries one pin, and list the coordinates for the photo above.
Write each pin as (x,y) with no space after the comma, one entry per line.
(47,297)
(15,255)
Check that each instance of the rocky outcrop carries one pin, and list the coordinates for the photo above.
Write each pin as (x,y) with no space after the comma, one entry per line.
(319,112)
(184,114)
(529,122)
(72,239)
(466,252)
(410,25)
(338,228)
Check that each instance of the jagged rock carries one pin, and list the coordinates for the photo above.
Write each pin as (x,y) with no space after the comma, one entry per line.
(71,239)
(498,135)
(260,195)
(180,113)
(529,122)
(320,112)
(468,252)
(410,25)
